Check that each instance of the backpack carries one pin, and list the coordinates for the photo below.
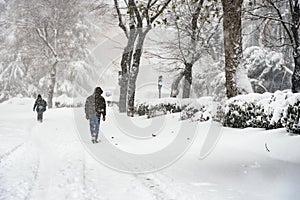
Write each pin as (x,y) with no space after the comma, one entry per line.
(42,106)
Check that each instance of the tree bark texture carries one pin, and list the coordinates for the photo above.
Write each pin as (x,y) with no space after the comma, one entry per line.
(52,84)
(174,87)
(187,80)
(296,47)
(134,70)
(232,26)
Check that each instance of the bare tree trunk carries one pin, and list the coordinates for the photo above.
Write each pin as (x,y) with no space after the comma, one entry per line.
(130,70)
(296,75)
(125,66)
(296,53)
(232,27)
(52,84)
(134,70)
(187,80)
(126,57)
(123,87)
(174,87)
(188,77)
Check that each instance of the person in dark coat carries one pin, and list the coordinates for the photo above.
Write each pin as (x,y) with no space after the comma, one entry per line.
(40,107)
(95,106)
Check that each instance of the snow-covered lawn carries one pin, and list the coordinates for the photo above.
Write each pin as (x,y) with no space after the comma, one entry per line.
(48,161)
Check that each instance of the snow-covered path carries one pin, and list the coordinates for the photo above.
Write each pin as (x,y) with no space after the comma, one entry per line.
(48,161)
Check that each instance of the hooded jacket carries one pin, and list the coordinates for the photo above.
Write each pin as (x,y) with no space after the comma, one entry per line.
(95,104)
(40,104)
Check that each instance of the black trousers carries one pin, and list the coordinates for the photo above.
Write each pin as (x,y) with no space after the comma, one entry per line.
(40,116)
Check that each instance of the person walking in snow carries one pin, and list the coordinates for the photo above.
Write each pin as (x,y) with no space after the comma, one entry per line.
(95,106)
(40,107)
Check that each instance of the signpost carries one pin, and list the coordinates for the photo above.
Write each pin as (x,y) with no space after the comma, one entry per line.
(159,86)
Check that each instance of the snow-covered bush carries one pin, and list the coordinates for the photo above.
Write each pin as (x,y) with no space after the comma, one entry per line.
(155,107)
(242,114)
(193,109)
(292,118)
(198,110)
(65,101)
(268,110)
(292,114)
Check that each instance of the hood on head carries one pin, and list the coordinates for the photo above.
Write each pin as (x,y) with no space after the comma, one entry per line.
(98,90)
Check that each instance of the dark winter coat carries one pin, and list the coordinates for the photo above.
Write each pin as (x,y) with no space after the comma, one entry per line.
(40,105)
(95,105)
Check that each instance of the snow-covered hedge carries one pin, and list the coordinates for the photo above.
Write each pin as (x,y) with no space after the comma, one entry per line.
(291,116)
(193,109)
(268,110)
(155,107)
(198,110)
(65,101)
(241,114)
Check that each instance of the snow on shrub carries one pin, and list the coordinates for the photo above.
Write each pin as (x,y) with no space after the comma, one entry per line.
(65,101)
(198,110)
(241,114)
(194,109)
(155,107)
(292,113)
(268,110)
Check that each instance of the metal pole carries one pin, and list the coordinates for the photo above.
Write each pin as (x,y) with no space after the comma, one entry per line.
(159,86)
(159,92)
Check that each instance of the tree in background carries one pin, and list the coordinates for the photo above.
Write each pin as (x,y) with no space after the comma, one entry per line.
(287,14)
(192,26)
(236,78)
(141,16)
(195,23)
(50,40)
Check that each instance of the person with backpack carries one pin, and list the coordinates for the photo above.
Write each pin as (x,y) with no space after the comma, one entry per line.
(95,106)
(40,107)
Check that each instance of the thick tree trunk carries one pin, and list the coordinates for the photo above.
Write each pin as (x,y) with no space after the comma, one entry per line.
(123,92)
(187,80)
(194,54)
(125,63)
(174,87)
(134,70)
(232,27)
(52,84)
(296,75)
(296,48)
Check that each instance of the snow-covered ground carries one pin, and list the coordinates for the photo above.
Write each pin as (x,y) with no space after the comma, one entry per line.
(49,161)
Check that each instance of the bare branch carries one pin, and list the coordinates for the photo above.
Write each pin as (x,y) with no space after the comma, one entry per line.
(121,23)
(152,19)
(282,22)
(43,37)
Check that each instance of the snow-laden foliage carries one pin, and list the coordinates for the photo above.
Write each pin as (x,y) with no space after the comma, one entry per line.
(266,69)
(268,110)
(292,118)
(36,34)
(155,107)
(65,101)
(198,110)
(193,109)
